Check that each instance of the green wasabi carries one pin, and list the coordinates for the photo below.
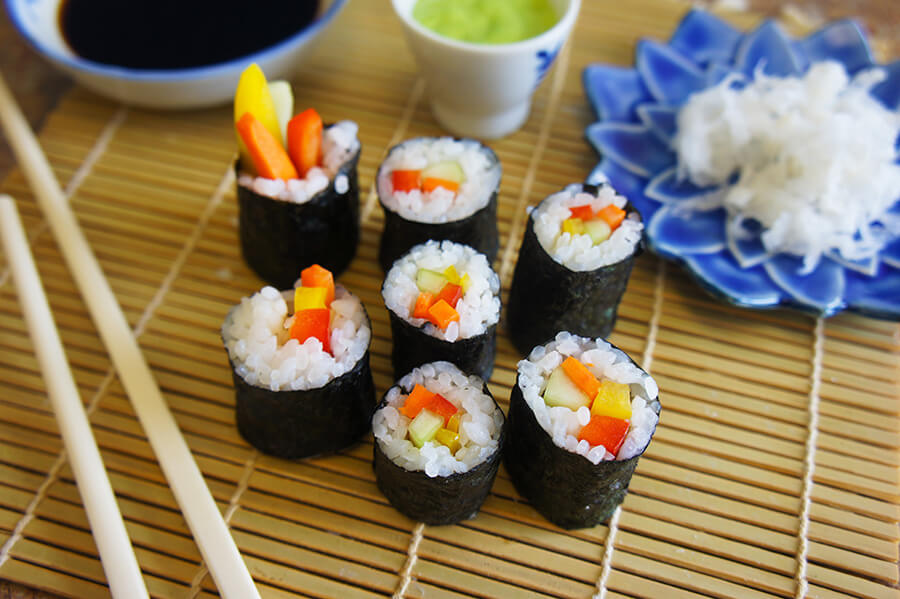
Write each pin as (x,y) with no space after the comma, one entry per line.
(486,21)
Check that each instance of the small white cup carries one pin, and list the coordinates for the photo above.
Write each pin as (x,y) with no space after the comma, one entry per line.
(484,90)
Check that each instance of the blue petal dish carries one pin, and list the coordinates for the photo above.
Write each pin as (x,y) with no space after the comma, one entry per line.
(637,109)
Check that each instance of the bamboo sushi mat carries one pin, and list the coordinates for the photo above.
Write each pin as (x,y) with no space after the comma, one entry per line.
(720,505)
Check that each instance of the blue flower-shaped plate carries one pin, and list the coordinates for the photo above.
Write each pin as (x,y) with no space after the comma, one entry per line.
(637,108)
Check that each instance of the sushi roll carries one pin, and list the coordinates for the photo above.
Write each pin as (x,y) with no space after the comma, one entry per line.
(573,266)
(297,186)
(580,415)
(438,438)
(443,299)
(300,364)
(438,188)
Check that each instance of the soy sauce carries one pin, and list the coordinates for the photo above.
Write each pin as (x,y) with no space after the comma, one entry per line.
(174,34)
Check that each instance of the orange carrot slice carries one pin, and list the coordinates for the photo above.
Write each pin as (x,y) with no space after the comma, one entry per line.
(423,302)
(432,183)
(417,399)
(304,140)
(442,314)
(316,276)
(405,180)
(268,157)
(312,323)
(583,378)
(612,214)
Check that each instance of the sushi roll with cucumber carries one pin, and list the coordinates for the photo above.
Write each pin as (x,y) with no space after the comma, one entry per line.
(443,299)
(300,364)
(297,187)
(573,266)
(438,188)
(438,437)
(580,415)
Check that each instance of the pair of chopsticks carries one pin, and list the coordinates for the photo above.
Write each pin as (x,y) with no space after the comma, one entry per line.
(193,496)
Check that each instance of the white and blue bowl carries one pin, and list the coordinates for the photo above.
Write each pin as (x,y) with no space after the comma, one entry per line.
(196,87)
(637,108)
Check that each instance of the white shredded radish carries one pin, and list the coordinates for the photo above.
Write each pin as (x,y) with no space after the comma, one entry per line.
(814,158)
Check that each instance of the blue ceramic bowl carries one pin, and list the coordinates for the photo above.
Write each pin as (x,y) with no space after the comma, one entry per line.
(37,21)
(638,107)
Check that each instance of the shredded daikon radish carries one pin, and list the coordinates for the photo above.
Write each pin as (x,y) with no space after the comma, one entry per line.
(814,160)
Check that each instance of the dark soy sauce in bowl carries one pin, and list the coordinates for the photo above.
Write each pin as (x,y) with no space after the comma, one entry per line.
(176,34)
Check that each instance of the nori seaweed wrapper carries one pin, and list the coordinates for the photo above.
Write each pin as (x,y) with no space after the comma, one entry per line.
(478,230)
(306,422)
(546,297)
(441,499)
(565,487)
(412,347)
(280,238)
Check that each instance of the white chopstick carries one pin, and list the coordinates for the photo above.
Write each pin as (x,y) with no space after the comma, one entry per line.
(116,553)
(196,502)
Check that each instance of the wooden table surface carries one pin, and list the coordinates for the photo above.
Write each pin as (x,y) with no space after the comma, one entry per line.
(38,87)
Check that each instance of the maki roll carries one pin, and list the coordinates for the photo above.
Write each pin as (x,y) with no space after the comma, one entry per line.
(297,187)
(443,299)
(580,415)
(300,364)
(573,266)
(438,436)
(438,188)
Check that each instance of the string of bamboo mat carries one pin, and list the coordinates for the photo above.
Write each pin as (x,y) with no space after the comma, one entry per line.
(715,506)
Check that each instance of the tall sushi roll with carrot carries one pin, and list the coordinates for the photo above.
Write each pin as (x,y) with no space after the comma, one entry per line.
(580,416)
(300,364)
(443,300)
(438,440)
(298,193)
(573,266)
(438,188)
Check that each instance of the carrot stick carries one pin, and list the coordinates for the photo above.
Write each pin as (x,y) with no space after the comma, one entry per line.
(612,214)
(269,158)
(583,378)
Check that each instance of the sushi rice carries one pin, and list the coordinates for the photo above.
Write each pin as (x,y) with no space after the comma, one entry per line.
(479,306)
(562,423)
(339,144)
(578,252)
(479,430)
(256,336)
(479,165)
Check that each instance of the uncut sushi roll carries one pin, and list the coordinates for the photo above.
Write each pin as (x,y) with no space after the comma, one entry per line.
(300,364)
(297,187)
(580,415)
(443,299)
(438,439)
(573,265)
(438,188)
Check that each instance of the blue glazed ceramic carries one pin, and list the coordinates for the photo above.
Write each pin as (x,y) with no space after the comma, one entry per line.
(638,106)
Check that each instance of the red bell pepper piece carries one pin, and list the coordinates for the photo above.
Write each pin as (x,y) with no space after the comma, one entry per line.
(312,323)
(405,180)
(416,401)
(606,431)
(304,140)
(450,294)
(583,212)
(316,276)
(442,407)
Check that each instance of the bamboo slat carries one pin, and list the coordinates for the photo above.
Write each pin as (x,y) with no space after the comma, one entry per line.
(714,506)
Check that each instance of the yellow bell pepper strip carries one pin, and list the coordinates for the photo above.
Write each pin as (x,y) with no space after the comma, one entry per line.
(581,376)
(605,431)
(451,274)
(442,314)
(465,282)
(316,276)
(307,298)
(252,95)
(613,215)
(267,156)
(448,438)
(453,423)
(612,399)
(312,323)
(573,226)
(304,140)
(405,180)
